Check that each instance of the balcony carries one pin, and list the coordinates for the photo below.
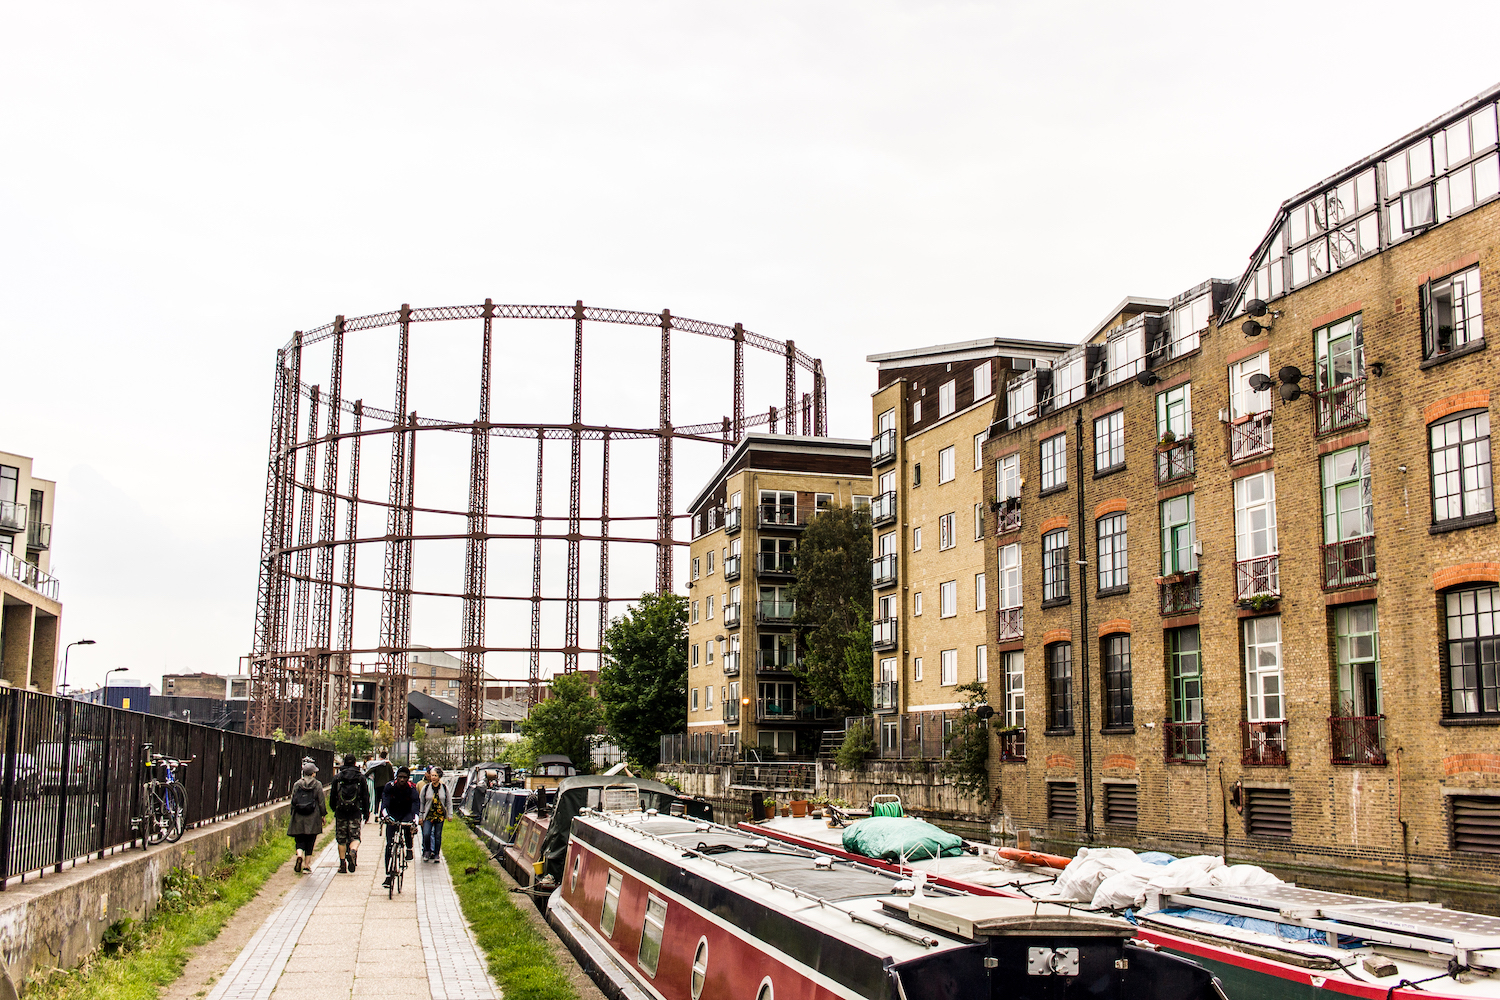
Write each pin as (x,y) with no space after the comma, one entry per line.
(732,565)
(1007,515)
(1263,744)
(779,658)
(1180,594)
(1342,406)
(1174,461)
(732,712)
(13,567)
(883,448)
(887,696)
(883,633)
(1186,742)
(731,616)
(1010,624)
(1350,563)
(733,520)
(1356,739)
(1013,746)
(776,611)
(883,509)
(1257,577)
(1251,437)
(771,515)
(794,710)
(12,517)
(776,563)
(38,536)
(731,664)
(883,570)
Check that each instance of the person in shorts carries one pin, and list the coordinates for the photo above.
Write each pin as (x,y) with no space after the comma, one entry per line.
(350,798)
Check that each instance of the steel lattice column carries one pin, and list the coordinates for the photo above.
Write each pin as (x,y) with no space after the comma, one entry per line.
(471,692)
(791,387)
(820,400)
(664,464)
(739,382)
(301,708)
(728,445)
(390,601)
(772,419)
(322,611)
(351,550)
(267,587)
(604,552)
(534,679)
(281,716)
(807,423)
(575,469)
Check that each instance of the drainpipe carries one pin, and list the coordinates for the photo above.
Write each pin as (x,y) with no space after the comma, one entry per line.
(1401,818)
(1084,643)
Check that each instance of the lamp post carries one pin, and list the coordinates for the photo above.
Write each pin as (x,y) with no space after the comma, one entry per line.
(112,670)
(68,649)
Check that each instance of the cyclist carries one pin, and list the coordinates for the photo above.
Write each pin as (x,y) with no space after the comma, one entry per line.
(436,807)
(350,797)
(398,804)
(309,806)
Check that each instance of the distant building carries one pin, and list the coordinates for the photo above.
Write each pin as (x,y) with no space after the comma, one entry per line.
(29,650)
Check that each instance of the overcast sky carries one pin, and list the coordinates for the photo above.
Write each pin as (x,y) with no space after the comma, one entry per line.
(182,185)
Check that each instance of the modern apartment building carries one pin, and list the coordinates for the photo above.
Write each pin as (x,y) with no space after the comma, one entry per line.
(1246,565)
(742,648)
(930,512)
(32,609)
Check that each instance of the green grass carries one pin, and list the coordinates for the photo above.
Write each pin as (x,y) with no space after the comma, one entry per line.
(520,960)
(138,960)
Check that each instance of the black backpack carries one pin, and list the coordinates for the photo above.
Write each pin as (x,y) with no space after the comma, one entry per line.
(350,796)
(304,800)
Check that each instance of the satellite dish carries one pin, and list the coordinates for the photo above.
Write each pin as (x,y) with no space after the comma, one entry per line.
(1259,382)
(1256,307)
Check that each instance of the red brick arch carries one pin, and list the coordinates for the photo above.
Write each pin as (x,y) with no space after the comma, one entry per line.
(1053,523)
(1109,507)
(1475,572)
(1059,760)
(1473,399)
(1057,635)
(1472,763)
(1120,760)
(1113,626)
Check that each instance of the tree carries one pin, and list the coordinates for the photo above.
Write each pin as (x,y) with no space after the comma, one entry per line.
(385,736)
(566,723)
(643,682)
(968,759)
(833,594)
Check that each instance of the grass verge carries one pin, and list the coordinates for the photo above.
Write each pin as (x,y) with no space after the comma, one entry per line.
(520,960)
(137,960)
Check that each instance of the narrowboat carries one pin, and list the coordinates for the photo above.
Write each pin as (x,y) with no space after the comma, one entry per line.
(1264,941)
(660,906)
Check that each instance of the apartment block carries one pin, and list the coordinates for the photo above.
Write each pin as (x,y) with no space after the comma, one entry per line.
(1246,565)
(742,647)
(32,608)
(931,415)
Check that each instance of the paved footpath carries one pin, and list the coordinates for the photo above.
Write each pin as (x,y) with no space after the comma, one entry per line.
(339,936)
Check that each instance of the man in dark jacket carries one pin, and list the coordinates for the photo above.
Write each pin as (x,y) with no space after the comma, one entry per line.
(308,807)
(350,798)
(398,804)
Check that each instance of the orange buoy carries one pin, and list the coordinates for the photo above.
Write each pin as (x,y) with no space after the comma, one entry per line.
(1033,858)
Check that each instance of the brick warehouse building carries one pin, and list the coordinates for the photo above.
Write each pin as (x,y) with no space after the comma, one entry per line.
(1318,688)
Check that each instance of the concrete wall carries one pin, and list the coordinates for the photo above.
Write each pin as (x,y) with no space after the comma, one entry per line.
(57,920)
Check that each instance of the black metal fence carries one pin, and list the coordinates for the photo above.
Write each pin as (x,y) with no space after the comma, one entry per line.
(72,773)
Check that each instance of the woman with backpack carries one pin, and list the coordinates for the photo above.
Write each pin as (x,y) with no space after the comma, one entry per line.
(435,807)
(350,798)
(309,806)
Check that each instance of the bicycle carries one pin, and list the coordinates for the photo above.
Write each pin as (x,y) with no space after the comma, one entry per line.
(396,839)
(164,800)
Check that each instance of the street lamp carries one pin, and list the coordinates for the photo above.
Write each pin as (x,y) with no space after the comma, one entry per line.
(112,670)
(68,649)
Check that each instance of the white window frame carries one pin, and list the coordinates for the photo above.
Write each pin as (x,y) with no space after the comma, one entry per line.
(916,539)
(1010,576)
(978,522)
(947,398)
(1054,461)
(916,411)
(948,668)
(946,532)
(916,668)
(1255,516)
(916,604)
(980,597)
(1243,400)
(946,465)
(982,663)
(1265,683)
(984,380)
(948,599)
(1013,663)
(1008,477)
(692,699)
(979,450)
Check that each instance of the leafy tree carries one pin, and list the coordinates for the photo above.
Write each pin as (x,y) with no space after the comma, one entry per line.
(566,723)
(385,736)
(968,760)
(859,743)
(317,739)
(643,682)
(834,597)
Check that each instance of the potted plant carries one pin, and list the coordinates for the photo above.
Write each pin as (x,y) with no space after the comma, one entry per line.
(1260,602)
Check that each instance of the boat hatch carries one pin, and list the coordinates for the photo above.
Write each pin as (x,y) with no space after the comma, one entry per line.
(975,917)
(1472,938)
(620,798)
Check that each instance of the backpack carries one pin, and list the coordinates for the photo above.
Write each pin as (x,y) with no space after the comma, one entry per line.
(304,800)
(350,795)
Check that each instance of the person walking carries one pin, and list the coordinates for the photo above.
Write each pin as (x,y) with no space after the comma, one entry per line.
(398,804)
(435,807)
(309,806)
(350,797)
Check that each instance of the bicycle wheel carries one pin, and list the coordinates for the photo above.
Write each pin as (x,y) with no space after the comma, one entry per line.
(391,866)
(176,814)
(155,819)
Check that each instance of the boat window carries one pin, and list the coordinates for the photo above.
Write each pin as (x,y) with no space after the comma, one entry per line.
(611,903)
(577,864)
(651,932)
(700,967)
(766,992)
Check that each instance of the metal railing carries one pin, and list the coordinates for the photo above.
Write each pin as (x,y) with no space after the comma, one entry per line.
(1011,625)
(883,570)
(1263,744)
(776,659)
(71,776)
(883,633)
(38,536)
(1357,739)
(1174,461)
(731,616)
(788,710)
(1251,437)
(909,735)
(776,611)
(1341,406)
(772,515)
(12,516)
(887,695)
(731,664)
(698,748)
(16,568)
(1185,741)
(1350,563)
(731,567)
(1256,577)
(790,775)
(1013,746)
(1180,596)
(883,447)
(733,519)
(776,563)
(883,509)
(1008,515)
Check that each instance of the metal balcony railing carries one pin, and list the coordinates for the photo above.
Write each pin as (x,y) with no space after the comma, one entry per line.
(776,563)
(883,570)
(772,515)
(38,536)
(787,710)
(731,616)
(883,447)
(1174,461)
(883,509)
(1250,437)
(1341,406)
(1257,577)
(776,611)
(883,633)
(1263,744)
(28,574)
(887,696)
(1350,563)
(1013,746)
(731,665)
(1010,624)
(731,712)
(777,775)
(1008,515)
(733,519)
(1185,741)
(1181,595)
(776,659)
(1357,739)
(731,567)
(12,516)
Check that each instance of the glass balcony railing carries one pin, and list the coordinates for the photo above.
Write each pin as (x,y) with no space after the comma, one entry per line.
(883,509)
(776,659)
(771,515)
(731,664)
(776,563)
(883,633)
(883,447)
(12,516)
(886,696)
(733,518)
(731,567)
(731,616)
(883,570)
(38,536)
(776,611)
(28,574)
